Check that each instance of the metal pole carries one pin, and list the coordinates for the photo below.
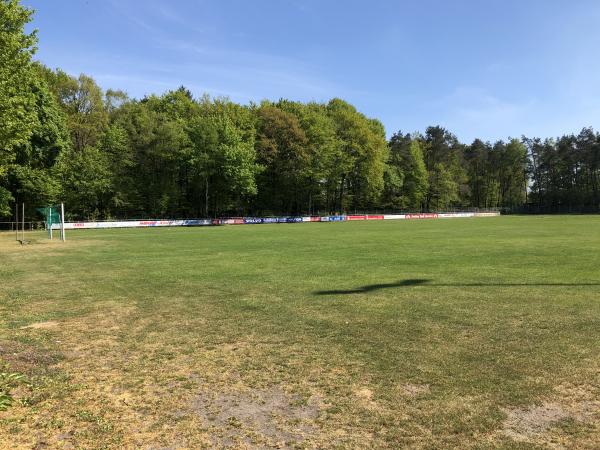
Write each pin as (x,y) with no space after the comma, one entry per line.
(17,221)
(49,222)
(23,222)
(62,222)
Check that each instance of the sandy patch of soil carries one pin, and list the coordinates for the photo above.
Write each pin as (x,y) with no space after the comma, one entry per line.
(364,396)
(41,325)
(414,390)
(522,424)
(535,423)
(257,419)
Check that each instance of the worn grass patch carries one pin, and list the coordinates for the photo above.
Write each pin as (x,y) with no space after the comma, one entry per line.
(477,333)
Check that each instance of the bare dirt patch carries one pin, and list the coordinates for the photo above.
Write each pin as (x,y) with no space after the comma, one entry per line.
(263,417)
(582,401)
(522,424)
(364,393)
(576,403)
(41,325)
(26,358)
(364,396)
(414,390)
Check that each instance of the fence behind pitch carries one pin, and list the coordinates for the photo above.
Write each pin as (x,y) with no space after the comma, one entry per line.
(265,220)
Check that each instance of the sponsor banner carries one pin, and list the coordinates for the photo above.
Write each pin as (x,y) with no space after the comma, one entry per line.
(393,216)
(421,216)
(456,215)
(356,217)
(199,222)
(134,224)
(311,219)
(70,225)
(232,221)
(289,220)
(259,220)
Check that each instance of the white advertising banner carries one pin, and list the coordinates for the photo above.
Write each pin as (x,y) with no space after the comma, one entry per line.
(258,220)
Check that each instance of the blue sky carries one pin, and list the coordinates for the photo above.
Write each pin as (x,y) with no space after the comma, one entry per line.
(488,68)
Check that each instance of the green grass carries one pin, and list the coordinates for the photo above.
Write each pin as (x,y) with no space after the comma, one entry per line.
(384,334)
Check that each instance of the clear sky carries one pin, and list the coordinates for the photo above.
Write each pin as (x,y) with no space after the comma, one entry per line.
(482,68)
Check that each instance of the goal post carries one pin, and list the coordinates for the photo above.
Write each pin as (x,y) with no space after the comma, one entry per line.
(62,222)
(54,215)
(20,221)
(49,222)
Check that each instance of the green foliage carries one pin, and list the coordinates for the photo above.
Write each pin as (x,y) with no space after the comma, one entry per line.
(360,161)
(443,154)
(16,98)
(30,176)
(85,178)
(35,184)
(6,198)
(323,150)
(478,170)
(224,159)
(82,101)
(114,143)
(514,175)
(406,178)
(282,150)
(416,183)
(443,189)
(8,381)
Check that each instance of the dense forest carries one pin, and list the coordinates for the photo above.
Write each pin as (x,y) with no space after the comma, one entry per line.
(62,138)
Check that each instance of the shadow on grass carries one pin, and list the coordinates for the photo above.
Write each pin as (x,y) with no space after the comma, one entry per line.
(424,282)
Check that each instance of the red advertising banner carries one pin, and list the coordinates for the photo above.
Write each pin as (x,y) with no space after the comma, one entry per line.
(422,216)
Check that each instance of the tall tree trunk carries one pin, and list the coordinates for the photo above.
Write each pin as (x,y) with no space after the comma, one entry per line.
(206,198)
(341,196)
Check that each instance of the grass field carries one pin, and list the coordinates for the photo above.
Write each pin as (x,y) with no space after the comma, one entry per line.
(470,333)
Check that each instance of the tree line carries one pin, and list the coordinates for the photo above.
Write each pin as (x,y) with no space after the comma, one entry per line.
(63,138)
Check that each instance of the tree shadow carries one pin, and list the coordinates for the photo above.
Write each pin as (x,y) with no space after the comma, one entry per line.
(424,282)
(375,287)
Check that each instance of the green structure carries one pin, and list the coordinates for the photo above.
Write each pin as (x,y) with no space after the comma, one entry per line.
(52,215)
